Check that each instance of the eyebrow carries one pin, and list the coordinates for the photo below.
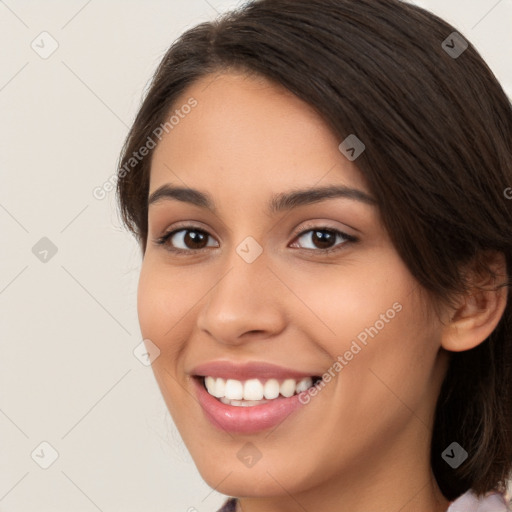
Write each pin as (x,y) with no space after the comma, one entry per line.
(278,202)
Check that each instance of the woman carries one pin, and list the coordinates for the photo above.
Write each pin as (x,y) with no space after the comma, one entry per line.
(318,188)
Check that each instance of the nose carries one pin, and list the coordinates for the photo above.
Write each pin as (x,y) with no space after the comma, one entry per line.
(244,303)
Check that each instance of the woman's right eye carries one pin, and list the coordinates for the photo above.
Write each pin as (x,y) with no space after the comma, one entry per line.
(186,239)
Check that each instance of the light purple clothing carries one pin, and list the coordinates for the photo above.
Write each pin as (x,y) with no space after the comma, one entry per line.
(470,502)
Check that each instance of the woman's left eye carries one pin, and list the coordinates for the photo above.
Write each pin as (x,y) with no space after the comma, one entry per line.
(325,239)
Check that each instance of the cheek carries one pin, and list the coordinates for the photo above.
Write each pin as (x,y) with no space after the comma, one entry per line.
(149,301)
(393,370)
(375,321)
(164,296)
(355,300)
(160,312)
(160,309)
(388,355)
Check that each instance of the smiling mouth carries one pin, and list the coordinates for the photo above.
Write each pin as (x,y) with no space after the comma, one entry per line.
(254,392)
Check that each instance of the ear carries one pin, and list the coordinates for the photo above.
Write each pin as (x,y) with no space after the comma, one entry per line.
(479,312)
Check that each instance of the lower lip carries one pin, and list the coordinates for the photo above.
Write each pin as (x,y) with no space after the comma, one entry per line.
(245,420)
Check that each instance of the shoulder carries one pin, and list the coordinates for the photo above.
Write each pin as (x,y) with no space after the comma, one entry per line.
(490,502)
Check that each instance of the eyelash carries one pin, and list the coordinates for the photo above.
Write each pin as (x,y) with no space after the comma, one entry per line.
(184,252)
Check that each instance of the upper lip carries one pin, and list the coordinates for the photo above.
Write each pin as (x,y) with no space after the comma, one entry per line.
(248,370)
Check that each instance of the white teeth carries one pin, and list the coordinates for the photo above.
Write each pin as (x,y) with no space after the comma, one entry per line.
(220,387)
(304,384)
(209,382)
(271,389)
(234,389)
(287,388)
(242,403)
(253,391)
(215,387)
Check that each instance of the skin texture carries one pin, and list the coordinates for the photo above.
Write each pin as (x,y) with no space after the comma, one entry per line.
(361,444)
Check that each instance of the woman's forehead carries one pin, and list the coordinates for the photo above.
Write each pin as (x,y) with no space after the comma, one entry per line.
(246,130)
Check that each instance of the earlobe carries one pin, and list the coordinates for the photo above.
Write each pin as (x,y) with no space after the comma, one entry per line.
(480,311)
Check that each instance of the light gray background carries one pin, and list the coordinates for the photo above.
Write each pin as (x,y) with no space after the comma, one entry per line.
(69,326)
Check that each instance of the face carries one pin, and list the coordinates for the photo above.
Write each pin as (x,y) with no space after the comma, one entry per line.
(258,294)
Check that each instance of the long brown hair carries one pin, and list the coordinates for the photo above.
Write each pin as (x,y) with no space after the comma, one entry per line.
(438,133)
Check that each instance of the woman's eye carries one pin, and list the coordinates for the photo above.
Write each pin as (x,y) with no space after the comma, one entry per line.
(185,240)
(324,239)
(189,239)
